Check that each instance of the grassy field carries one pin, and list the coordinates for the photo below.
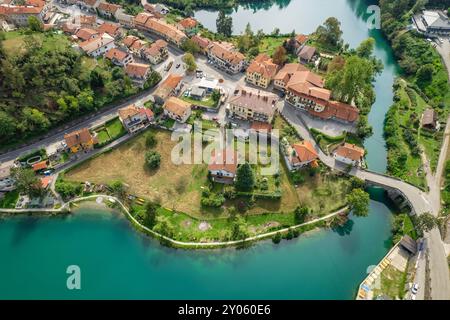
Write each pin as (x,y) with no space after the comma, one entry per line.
(207,102)
(14,41)
(269,44)
(115,128)
(179,187)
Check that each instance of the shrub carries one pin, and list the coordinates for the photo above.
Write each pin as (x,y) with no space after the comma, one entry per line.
(68,190)
(152,159)
(150,140)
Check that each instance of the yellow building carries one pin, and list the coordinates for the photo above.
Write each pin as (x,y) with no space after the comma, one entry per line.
(261,71)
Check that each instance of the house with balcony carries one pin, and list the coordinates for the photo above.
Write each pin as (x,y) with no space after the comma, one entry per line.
(252,105)
(305,90)
(113,29)
(134,119)
(98,46)
(224,56)
(85,34)
(261,71)
(177,109)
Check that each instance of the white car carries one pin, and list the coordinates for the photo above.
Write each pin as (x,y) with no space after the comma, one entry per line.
(415,288)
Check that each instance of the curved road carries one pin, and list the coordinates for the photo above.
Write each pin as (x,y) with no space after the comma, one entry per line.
(438,266)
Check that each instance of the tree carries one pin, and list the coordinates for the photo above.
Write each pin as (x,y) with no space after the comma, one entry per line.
(239,229)
(300,214)
(279,56)
(35,119)
(150,214)
(365,48)
(68,189)
(189,61)
(164,227)
(152,159)
(190,46)
(275,32)
(425,73)
(425,222)
(336,64)
(8,126)
(358,201)
(245,180)
(353,80)
(224,24)
(150,140)
(26,181)
(330,33)
(34,24)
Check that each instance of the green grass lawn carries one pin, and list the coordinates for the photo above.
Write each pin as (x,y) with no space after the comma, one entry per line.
(269,44)
(168,123)
(392,283)
(115,128)
(13,42)
(103,136)
(10,200)
(207,102)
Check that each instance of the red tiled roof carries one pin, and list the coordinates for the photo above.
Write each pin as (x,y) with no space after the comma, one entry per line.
(109,7)
(305,151)
(45,181)
(264,66)
(40,165)
(78,137)
(226,160)
(117,54)
(137,69)
(188,23)
(176,106)
(226,51)
(301,38)
(203,43)
(109,28)
(129,40)
(350,151)
(86,33)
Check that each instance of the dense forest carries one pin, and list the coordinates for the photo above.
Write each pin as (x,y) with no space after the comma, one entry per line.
(44,82)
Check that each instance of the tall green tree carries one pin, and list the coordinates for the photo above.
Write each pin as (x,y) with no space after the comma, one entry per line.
(27,182)
(150,214)
(245,180)
(425,222)
(224,24)
(34,24)
(358,201)
(330,34)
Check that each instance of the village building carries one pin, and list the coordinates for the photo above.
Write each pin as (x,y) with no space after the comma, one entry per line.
(300,41)
(283,76)
(141,18)
(108,10)
(137,47)
(18,14)
(349,154)
(156,52)
(261,71)
(129,40)
(429,119)
(299,154)
(89,5)
(223,166)
(224,56)
(171,86)
(39,166)
(138,72)
(80,140)
(98,46)
(87,21)
(188,25)
(306,54)
(157,9)
(432,23)
(134,119)
(114,30)
(85,34)
(177,109)
(119,57)
(251,104)
(305,90)
(165,30)
(203,43)
(125,20)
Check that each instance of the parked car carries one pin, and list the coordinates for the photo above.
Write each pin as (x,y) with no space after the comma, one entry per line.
(177,66)
(415,288)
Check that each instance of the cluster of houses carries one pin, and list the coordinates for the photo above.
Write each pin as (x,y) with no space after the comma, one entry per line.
(16,13)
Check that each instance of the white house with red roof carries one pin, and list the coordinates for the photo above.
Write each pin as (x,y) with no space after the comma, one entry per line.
(222,165)
(134,118)
(349,154)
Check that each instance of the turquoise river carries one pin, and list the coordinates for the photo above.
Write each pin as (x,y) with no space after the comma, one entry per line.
(118,262)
